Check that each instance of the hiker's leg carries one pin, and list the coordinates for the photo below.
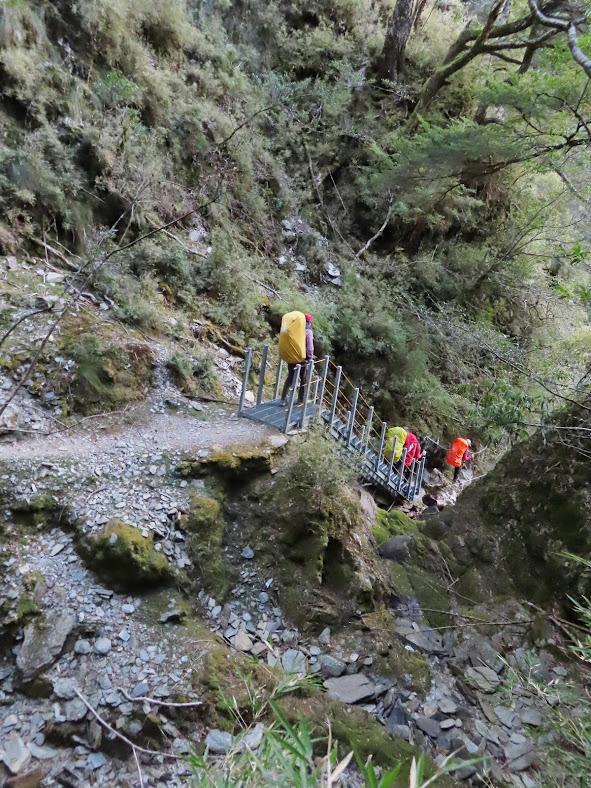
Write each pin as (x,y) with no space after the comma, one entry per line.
(456,473)
(303,378)
(288,381)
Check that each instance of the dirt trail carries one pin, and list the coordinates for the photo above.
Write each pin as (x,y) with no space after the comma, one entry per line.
(139,428)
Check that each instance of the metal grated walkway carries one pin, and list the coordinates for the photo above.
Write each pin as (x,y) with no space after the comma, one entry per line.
(331,399)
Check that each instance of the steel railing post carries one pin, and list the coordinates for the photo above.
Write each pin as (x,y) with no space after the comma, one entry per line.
(247,363)
(394,447)
(401,473)
(310,367)
(278,380)
(323,386)
(382,442)
(420,477)
(353,414)
(410,479)
(369,421)
(262,374)
(296,380)
(335,397)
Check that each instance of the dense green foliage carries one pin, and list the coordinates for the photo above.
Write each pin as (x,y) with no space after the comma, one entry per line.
(468,307)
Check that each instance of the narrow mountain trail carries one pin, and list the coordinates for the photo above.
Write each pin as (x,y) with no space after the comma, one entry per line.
(143,430)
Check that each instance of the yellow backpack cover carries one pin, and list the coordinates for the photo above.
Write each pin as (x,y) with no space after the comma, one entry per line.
(292,338)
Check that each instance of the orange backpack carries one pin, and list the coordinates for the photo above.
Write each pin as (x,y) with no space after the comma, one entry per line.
(457,451)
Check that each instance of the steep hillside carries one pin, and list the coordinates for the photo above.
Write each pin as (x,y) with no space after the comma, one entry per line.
(433,267)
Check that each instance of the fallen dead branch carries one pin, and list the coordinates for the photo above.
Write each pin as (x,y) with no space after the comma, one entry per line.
(135,748)
(155,702)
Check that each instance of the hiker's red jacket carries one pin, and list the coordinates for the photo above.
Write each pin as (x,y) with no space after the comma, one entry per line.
(413,449)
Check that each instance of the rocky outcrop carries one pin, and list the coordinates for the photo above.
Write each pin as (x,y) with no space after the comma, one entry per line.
(207,529)
(509,531)
(233,463)
(43,643)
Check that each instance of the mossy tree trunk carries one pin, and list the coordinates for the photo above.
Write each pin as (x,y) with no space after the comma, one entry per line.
(391,61)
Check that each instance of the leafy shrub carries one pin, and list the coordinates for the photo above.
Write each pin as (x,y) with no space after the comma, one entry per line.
(195,374)
(107,374)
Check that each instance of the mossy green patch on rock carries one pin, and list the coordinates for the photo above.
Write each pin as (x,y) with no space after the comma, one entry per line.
(328,569)
(124,557)
(25,609)
(207,528)
(400,584)
(226,684)
(354,728)
(231,464)
(396,522)
(38,510)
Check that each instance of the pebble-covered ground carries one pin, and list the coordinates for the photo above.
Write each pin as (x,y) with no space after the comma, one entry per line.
(123,657)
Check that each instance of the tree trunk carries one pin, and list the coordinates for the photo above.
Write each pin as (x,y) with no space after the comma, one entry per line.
(391,61)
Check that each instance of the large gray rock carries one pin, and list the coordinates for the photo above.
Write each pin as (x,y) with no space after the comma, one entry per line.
(14,754)
(350,689)
(330,667)
(219,742)
(531,717)
(43,643)
(243,642)
(428,726)
(520,756)
(396,548)
(484,678)
(75,710)
(293,661)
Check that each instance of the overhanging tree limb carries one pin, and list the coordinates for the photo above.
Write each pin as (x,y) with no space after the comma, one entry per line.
(568,26)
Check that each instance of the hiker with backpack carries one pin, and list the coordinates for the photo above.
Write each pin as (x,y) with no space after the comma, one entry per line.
(413,449)
(296,346)
(459,454)
(395,440)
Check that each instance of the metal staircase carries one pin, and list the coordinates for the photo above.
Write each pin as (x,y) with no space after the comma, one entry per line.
(332,400)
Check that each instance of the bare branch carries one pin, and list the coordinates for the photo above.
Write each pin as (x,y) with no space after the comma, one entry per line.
(578,55)
(380,231)
(20,320)
(569,26)
(159,702)
(55,253)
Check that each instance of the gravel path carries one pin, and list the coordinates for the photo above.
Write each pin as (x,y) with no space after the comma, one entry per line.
(144,430)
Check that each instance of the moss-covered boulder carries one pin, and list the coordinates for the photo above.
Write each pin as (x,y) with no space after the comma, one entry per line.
(391,658)
(110,370)
(207,528)
(392,523)
(37,510)
(354,728)
(328,568)
(120,554)
(232,463)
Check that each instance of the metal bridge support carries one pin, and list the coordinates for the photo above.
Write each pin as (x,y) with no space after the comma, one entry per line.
(323,386)
(351,430)
(335,397)
(247,363)
(310,368)
(295,385)
(262,374)
(278,380)
(382,442)
(368,435)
